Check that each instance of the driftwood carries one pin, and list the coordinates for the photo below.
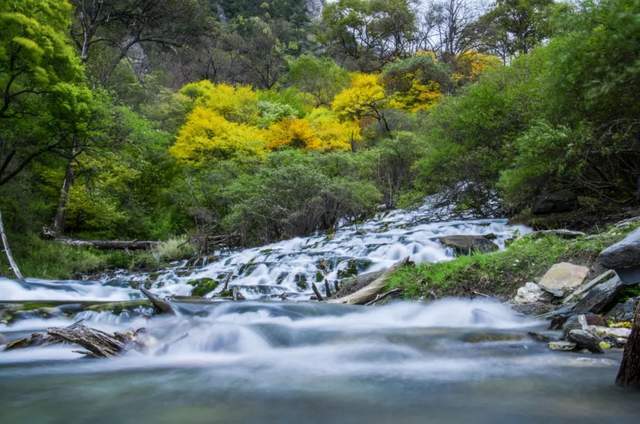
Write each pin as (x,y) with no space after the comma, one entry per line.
(319,296)
(98,344)
(110,244)
(7,251)
(381,297)
(369,292)
(160,305)
(629,372)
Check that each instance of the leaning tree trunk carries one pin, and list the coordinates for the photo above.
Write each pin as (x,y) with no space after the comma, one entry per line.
(58,221)
(629,373)
(5,245)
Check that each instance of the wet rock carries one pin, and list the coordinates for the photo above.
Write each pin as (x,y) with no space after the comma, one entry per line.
(607,332)
(586,340)
(581,291)
(562,278)
(624,311)
(600,298)
(466,245)
(544,337)
(624,254)
(559,201)
(530,293)
(581,322)
(563,346)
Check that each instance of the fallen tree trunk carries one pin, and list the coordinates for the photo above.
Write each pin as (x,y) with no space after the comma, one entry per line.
(110,244)
(7,251)
(371,291)
(161,306)
(629,372)
(98,344)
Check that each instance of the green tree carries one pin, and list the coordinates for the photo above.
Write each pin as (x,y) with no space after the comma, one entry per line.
(320,77)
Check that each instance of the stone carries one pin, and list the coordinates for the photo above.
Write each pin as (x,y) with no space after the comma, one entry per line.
(562,278)
(624,311)
(562,346)
(466,245)
(563,234)
(581,291)
(581,322)
(600,298)
(559,201)
(530,293)
(623,256)
(614,333)
(545,337)
(586,340)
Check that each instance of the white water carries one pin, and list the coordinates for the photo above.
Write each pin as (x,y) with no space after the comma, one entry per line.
(289,267)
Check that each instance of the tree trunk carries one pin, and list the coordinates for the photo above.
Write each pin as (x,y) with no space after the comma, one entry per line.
(629,373)
(7,251)
(58,221)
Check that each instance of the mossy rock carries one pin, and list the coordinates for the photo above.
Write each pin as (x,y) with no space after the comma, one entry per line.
(203,286)
(301,281)
(354,267)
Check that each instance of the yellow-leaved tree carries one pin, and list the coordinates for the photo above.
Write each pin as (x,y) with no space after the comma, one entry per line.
(234,103)
(207,135)
(364,98)
(471,64)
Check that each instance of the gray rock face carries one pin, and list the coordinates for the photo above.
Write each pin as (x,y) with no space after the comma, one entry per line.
(624,254)
(586,340)
(563,278)
(600,298)
(315,8)
(624,311)
(465,245)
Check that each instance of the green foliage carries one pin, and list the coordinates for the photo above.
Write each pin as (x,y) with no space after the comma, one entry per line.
(320,77)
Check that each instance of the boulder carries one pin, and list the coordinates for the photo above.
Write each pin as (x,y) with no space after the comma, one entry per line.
(586,340)
(562,278)
(559,201)
(624,311)
(581,291)
(624,257)
(582,322)
(465,245)
(600,298)
(530,293)
(562,346)
(614,333)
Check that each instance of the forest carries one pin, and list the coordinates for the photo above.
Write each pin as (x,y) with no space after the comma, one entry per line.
(231,122)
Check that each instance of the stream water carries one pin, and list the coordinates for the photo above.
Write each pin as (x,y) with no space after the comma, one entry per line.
(294,361)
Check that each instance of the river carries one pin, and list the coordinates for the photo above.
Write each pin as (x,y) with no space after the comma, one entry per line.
(271,361)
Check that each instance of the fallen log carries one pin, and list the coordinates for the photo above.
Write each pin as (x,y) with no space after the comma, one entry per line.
(369,292)
(629,372)
(110,244)
(98,344)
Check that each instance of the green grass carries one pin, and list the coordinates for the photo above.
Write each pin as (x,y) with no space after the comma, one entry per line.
(501,273)
(50,260)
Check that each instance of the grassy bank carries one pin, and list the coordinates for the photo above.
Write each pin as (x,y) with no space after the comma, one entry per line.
(502,273)
(46,259)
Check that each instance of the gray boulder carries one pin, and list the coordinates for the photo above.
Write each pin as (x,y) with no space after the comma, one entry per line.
(624,257)
(465,245)
(624,311)
(586,340)
(562,346)
(600,298)
(563,278)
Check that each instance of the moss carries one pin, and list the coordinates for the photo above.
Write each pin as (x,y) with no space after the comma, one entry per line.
(301,281)
(203,286)
(501,273)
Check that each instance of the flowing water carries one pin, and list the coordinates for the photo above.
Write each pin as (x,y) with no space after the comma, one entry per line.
(266,361)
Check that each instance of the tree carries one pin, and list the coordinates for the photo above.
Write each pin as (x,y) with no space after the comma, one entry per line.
(366,34)
(320,77)
(446,28)
(364,99)
(124,25)
(37,66)
(416,84)
(514,27)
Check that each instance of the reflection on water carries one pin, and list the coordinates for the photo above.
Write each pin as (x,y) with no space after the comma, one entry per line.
(448,361)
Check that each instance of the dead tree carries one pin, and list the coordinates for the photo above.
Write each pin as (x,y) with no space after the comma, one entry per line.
(5,245)
(629,373)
